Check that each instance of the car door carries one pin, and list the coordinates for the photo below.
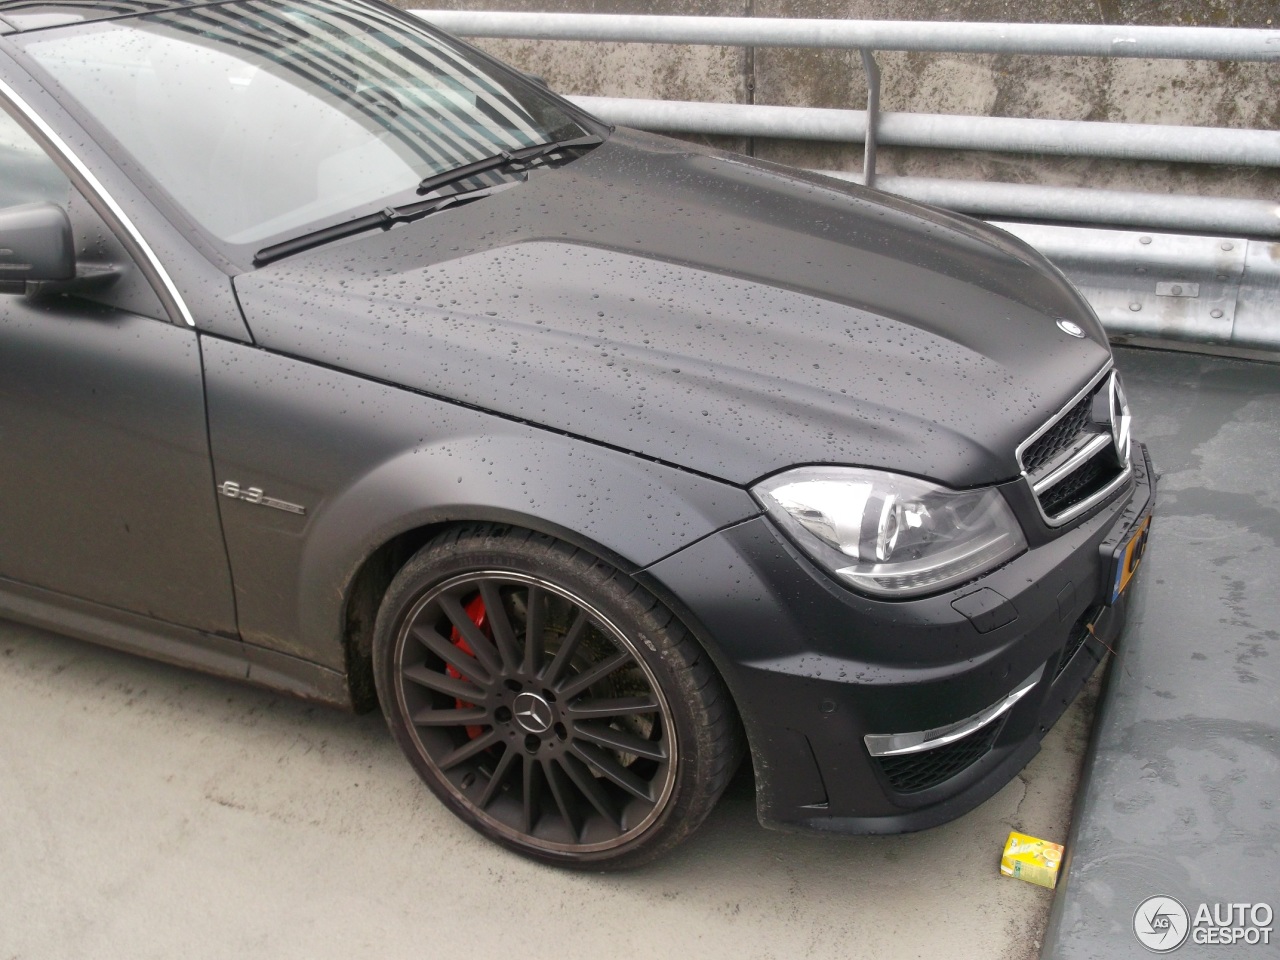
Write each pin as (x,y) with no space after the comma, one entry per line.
(106,489)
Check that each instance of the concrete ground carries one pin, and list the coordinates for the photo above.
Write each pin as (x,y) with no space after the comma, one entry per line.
(146,811)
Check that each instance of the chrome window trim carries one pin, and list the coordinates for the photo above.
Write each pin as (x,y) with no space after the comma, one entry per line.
(900,744)
(170,289)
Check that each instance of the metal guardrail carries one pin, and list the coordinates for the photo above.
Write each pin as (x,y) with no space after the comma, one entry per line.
(1083,205)
(1157,142)
(1227,286)
(1169,287)
(1172,43)
(1067,138)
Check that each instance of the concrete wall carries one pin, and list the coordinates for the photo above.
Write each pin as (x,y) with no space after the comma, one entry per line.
(1076,88)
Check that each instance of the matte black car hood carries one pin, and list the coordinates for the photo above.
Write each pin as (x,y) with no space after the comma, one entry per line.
(726,316)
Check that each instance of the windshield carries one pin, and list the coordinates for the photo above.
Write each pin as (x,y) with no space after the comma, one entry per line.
(259,118)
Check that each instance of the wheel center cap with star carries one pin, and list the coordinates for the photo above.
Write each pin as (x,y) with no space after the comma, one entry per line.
(533,713)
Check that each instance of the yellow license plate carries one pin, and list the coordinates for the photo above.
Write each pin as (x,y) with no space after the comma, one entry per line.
(1128,558)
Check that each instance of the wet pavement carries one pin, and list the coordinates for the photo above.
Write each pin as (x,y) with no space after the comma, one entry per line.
(1181,795)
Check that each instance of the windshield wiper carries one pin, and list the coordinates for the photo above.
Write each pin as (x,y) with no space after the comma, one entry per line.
(387,216)
(518,159)
(383,218)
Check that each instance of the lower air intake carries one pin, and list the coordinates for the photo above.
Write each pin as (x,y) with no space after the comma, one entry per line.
(913,772)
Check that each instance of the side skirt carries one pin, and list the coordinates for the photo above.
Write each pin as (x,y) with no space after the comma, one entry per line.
(181,646)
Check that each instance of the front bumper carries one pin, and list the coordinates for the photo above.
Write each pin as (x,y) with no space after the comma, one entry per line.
(822,676)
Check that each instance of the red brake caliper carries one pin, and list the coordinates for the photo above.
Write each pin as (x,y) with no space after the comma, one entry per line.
(476,612)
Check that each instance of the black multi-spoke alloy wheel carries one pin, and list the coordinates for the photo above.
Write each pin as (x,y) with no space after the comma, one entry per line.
(549,700)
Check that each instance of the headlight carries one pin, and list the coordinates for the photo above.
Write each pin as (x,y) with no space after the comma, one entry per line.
(891,535)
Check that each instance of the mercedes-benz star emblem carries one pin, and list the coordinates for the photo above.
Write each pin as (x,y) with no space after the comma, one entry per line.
(1069,328)
(1120,419)
(533,713)
(1111,413)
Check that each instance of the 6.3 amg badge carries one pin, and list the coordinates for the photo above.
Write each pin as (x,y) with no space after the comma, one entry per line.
(229,488)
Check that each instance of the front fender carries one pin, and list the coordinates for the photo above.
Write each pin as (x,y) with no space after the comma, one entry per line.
(368,461)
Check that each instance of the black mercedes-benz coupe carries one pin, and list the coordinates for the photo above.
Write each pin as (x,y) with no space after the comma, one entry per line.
(338,357)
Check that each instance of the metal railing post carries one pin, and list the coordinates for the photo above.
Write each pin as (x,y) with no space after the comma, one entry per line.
(872,70)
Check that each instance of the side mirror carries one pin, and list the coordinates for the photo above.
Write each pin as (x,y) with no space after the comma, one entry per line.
(35,244)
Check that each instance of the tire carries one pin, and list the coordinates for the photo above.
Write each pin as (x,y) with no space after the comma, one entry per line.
(601,744)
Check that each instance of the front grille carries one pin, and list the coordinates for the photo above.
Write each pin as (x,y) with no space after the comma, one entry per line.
(1088,480)
(913,772)
(1045,459)
(1069,432)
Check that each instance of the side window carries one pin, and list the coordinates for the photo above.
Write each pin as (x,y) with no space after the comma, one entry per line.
(105,272)
(26,174)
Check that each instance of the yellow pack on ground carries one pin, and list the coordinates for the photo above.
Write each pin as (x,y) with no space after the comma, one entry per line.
(1031,859)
